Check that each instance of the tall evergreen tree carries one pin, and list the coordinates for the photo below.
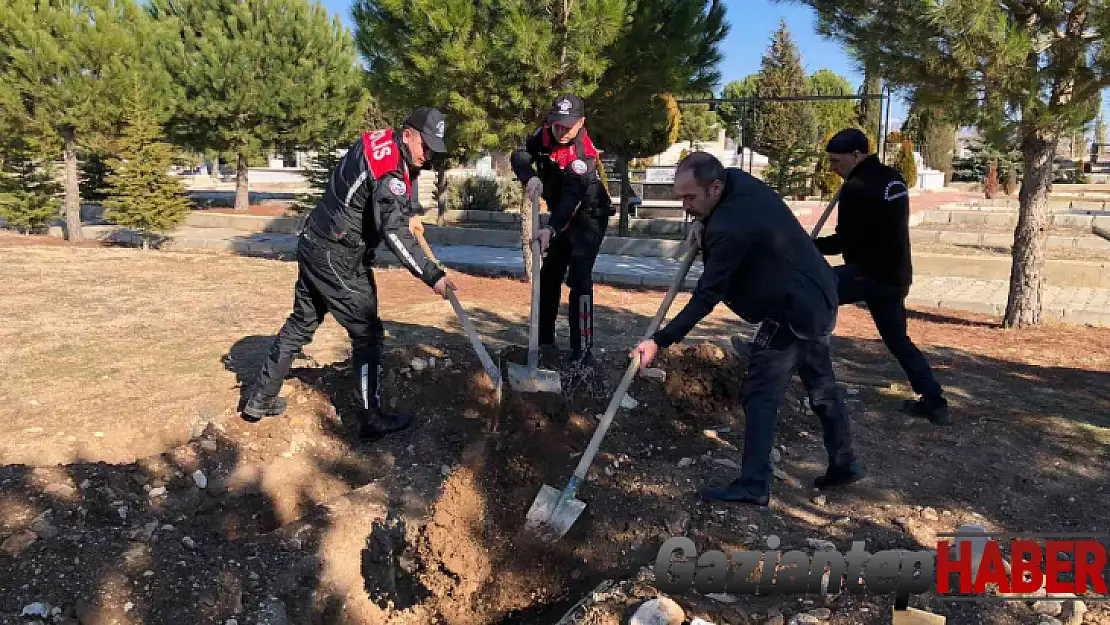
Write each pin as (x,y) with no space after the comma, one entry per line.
(258,76)
(28,189)
(785,131)
(141,192)
(1029,72)
(493,68)
(634,115)
(67,61)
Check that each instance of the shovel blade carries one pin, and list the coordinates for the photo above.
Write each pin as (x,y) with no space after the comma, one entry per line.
(525,380)
(547,519)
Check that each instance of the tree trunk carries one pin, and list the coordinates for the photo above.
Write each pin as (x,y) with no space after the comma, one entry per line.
(73,190)
(626,195)
(1023,307)
(441,194)
(242,193)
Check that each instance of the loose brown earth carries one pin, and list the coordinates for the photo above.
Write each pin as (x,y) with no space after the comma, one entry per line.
(123,372)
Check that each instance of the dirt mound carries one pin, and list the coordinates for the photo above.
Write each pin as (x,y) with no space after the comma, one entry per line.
(468,562)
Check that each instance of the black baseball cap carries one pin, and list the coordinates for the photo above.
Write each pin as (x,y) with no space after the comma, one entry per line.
(431,125)
(847,141)
(567,109)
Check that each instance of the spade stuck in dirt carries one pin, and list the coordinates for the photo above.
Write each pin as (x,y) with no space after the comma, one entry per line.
(530,378)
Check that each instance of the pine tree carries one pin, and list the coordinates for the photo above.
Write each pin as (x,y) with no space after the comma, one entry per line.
(142,194)
(258,76)
(826,180)
(67,59)
(28,190)
(906,163)
(785,131)
(1027,73)
(94,174)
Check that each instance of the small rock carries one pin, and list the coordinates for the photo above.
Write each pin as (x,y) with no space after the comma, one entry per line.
(658,611)
(189,543)
(851,391)
(1050,608)
(200,479)
(710,434)
(654,374)
(273,612)
(43,528)
(685,462)
(157,492)
(444,469)
(722,598)
(820,545)
(775,620)
(902,522)
(417,364)
(930,514)
(231,621)
(127,607)
(804,619)
(254,576)
(776,455)
(98,434)
(609,471)
(61,491)
(725,462)
(1048,620)
(821,613)
(211,445)
(148,573)
(16,544)
(628,403)
(36,609)
(149,529)
(820,500)
(432,362)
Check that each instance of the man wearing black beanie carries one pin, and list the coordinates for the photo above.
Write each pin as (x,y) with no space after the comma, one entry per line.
(872,234)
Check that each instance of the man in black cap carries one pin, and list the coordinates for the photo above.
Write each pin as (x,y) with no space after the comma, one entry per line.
(368,201)
(761,263)
(873,235)
(559,163)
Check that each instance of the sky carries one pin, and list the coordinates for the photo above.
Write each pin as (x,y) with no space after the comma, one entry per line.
(752,24)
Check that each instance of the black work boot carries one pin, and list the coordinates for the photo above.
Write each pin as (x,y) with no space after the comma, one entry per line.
(840,476)
(935,409)
(374,422)
(259,407)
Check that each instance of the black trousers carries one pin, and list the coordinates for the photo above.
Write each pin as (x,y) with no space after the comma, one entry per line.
(330,279)
(886,304)
(769,371)
(570,257)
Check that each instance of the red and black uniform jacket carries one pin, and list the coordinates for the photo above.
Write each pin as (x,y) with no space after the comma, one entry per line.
(369,200)
(571,183)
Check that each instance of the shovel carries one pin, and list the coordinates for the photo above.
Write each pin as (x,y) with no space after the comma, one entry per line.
(530,378)
(553,511)
(492,370)
(825,215)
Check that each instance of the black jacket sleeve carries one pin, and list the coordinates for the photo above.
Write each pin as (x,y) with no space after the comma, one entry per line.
(391,217)
(728,250)
(523,158)
(576,181)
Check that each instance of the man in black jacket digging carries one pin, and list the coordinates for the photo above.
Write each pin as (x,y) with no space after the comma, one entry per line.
(761,263)
(873,235)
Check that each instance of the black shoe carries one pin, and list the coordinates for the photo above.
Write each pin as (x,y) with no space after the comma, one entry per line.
(733,494)
(374,426)
(935,409)
(840,476)
(259,408)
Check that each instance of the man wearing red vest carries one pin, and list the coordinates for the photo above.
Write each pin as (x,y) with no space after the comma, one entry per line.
(368,201)
(559,163)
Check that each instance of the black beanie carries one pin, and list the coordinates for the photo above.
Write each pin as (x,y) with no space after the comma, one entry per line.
(847,141)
